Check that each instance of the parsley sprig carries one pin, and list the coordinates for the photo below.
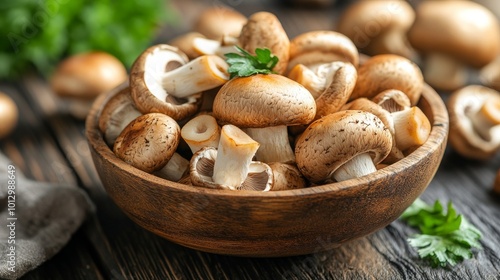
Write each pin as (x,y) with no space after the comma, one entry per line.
(446,238)
(246,64)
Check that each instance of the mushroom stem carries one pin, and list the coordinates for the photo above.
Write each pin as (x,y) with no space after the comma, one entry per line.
(175,168)
(274,144)
(234,155)
(393,41)
(486,117)
(411,128)
(200,74)
(358,166)
(444,72)
(201,131)
(206,46)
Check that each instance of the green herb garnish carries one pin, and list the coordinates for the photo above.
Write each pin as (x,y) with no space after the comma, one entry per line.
(446,238)
(246,64)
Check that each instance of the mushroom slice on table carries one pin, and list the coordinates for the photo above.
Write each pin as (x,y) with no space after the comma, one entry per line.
(118,112)
(379,27)
(341,146)
(146,83)
(453,35)
(201,131)
(475,122)
(264,30)
(148,142)
(322,46)
(230,166)
(264,105)
(389,71)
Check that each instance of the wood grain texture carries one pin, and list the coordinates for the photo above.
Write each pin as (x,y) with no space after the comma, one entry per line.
(117,248)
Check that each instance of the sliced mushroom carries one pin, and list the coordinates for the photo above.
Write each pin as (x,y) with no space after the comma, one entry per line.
(389,71)
(201,131)
(148,142)
(264,30)
(343,145)
(454,35)
(9,115)
(318,47)
(475,122)
(230,166)
(379,27)
(147,88)
(264,105)
(118,112)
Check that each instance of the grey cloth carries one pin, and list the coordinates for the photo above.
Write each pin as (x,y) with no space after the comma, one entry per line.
(45,217)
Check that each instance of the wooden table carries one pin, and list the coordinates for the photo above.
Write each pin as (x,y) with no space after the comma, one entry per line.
(49,145)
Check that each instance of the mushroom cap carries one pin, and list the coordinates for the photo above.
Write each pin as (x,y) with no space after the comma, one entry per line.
(118,112)
(333,140)
(262,101)
(264,30)
(365,20)
(462,135)
(322,46)
(146,87)
(9,114)
(389,71)
(148,142)
(87,75)
(219,21)
(286,176)
(464,30)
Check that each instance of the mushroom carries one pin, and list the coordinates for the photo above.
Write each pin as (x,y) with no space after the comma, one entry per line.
(286,177)
(264,30)
(264,105)
(147,88)
(176,167)
(219,21)
(201,131)
(86,75)
(148,142)
(392,100)
(186,43)
(9,115)
(230,165)
(389,71)
(454,35)
(341,146)
(205,46)
(489,75)
(475,122)
(118,112)
(411,128)
(322,46)
(334,80)
(379,27)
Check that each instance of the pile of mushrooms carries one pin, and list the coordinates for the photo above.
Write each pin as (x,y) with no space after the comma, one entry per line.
(321,117)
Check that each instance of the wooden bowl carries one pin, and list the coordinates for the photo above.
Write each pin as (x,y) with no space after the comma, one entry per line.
(270,224)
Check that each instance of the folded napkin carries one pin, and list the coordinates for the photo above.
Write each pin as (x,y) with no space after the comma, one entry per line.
(36,219)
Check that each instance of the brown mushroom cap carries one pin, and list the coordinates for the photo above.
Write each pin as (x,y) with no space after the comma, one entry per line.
(370,25)
(217,22)
(9,115)
(147,90)
(464,30)
(148,142)
(333,140)
(464,137)
(389,71)
(264,30)
(87,75)
(263,101)
(322,46)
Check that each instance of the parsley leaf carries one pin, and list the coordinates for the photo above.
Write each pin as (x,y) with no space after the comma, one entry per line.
(246,64)
(446,238)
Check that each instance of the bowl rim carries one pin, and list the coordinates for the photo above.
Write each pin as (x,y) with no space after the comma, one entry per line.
(438,136)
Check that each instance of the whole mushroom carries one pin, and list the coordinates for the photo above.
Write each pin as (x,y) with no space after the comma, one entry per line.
(379,27)
(219,21)
(9,115)
(264,105)
(475,122)
(341,146)
(453,35)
